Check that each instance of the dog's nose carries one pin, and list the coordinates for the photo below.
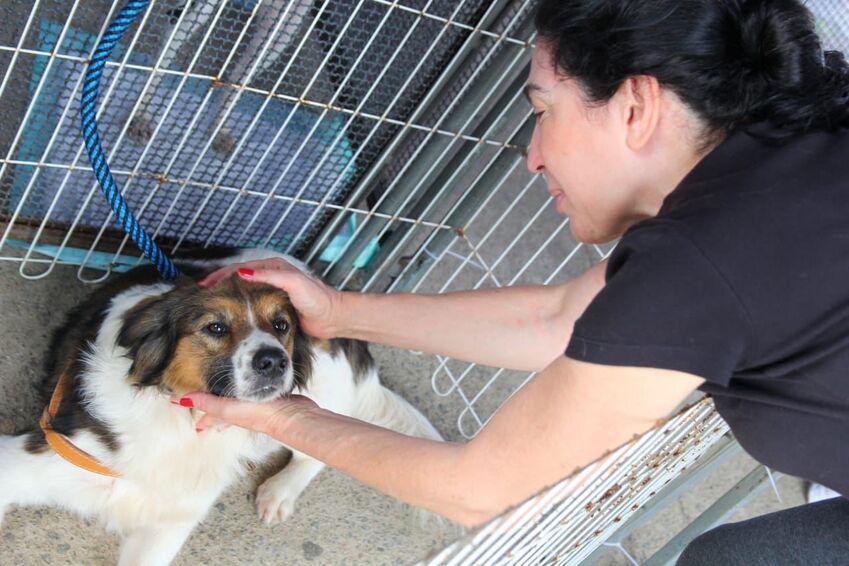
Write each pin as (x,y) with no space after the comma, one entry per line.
(269,362)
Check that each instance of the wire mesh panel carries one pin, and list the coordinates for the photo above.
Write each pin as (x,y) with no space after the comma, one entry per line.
(226,122)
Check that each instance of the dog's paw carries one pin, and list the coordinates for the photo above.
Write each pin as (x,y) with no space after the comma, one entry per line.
(141,127)
(275,502)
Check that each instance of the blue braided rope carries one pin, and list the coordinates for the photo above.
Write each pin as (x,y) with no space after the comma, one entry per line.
(96,155)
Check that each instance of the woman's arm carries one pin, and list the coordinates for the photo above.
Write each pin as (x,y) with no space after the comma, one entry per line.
(565,418)
(522,328)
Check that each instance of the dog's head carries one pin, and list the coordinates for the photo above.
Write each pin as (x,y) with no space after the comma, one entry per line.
(236,339)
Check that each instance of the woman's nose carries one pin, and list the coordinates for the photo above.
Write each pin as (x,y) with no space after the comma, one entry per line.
(535,164)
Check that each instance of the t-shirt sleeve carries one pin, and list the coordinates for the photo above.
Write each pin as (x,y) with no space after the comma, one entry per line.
(665,305)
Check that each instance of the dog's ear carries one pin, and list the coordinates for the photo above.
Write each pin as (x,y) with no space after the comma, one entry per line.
(303,356)
(149,333)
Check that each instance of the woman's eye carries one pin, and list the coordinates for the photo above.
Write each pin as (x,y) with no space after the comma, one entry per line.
(281,326)
(216,329)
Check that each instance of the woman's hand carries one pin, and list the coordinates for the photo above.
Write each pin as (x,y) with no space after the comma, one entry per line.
(317,304)
(271,417)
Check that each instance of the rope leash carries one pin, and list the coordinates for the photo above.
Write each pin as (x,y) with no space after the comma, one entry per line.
(96,155)
(61,444)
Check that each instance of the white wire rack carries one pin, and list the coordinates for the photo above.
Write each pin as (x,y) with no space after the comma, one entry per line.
(567,522)
(242,122)
(382,141)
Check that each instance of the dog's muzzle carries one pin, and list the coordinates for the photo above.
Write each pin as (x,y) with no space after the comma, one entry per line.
(270,363)
(270,375)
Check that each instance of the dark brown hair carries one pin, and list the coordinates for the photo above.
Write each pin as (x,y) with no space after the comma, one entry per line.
(734,62)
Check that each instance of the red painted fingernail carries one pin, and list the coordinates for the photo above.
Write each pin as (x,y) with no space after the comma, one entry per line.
(197,429)
(186,402)
(246,273)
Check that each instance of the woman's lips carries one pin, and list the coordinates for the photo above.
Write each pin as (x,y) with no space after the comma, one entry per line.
(557,195)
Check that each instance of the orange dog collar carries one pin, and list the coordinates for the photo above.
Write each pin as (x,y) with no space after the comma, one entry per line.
(61,444)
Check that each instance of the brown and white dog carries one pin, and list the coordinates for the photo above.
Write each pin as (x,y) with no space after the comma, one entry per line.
(136,342)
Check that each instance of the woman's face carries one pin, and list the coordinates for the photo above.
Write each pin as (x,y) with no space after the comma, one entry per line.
(582,152)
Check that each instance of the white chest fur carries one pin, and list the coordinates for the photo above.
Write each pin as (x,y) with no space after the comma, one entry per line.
(166,467)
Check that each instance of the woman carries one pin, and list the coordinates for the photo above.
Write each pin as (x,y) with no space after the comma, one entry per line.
(713,138)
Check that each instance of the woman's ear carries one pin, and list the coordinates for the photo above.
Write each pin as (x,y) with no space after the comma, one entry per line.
(641,107)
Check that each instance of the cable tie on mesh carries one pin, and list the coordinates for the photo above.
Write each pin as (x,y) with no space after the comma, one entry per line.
(623,550)
(774,484)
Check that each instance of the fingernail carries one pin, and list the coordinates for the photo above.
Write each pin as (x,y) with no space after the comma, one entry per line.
(246,273)
(198,430)
(186,402)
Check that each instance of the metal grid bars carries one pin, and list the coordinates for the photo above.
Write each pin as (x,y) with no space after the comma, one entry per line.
(410,179)
(498,251)
(566,523)
(238,122)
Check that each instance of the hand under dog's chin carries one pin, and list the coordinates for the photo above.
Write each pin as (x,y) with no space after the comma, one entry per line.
(265,394)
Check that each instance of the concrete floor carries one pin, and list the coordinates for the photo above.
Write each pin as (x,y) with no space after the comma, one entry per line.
(338,521)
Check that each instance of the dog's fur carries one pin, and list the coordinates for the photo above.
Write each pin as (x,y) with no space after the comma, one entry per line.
(136,342)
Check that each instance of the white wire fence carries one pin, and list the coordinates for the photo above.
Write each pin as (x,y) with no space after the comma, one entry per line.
(382,141)
(566,523)
(235,123)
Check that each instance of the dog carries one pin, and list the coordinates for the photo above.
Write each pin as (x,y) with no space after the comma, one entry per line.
(136,342)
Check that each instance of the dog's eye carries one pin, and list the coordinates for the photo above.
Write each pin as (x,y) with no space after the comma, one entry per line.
(281,326)
(216,329)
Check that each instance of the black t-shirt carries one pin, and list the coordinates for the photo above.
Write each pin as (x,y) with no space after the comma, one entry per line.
(743,279)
